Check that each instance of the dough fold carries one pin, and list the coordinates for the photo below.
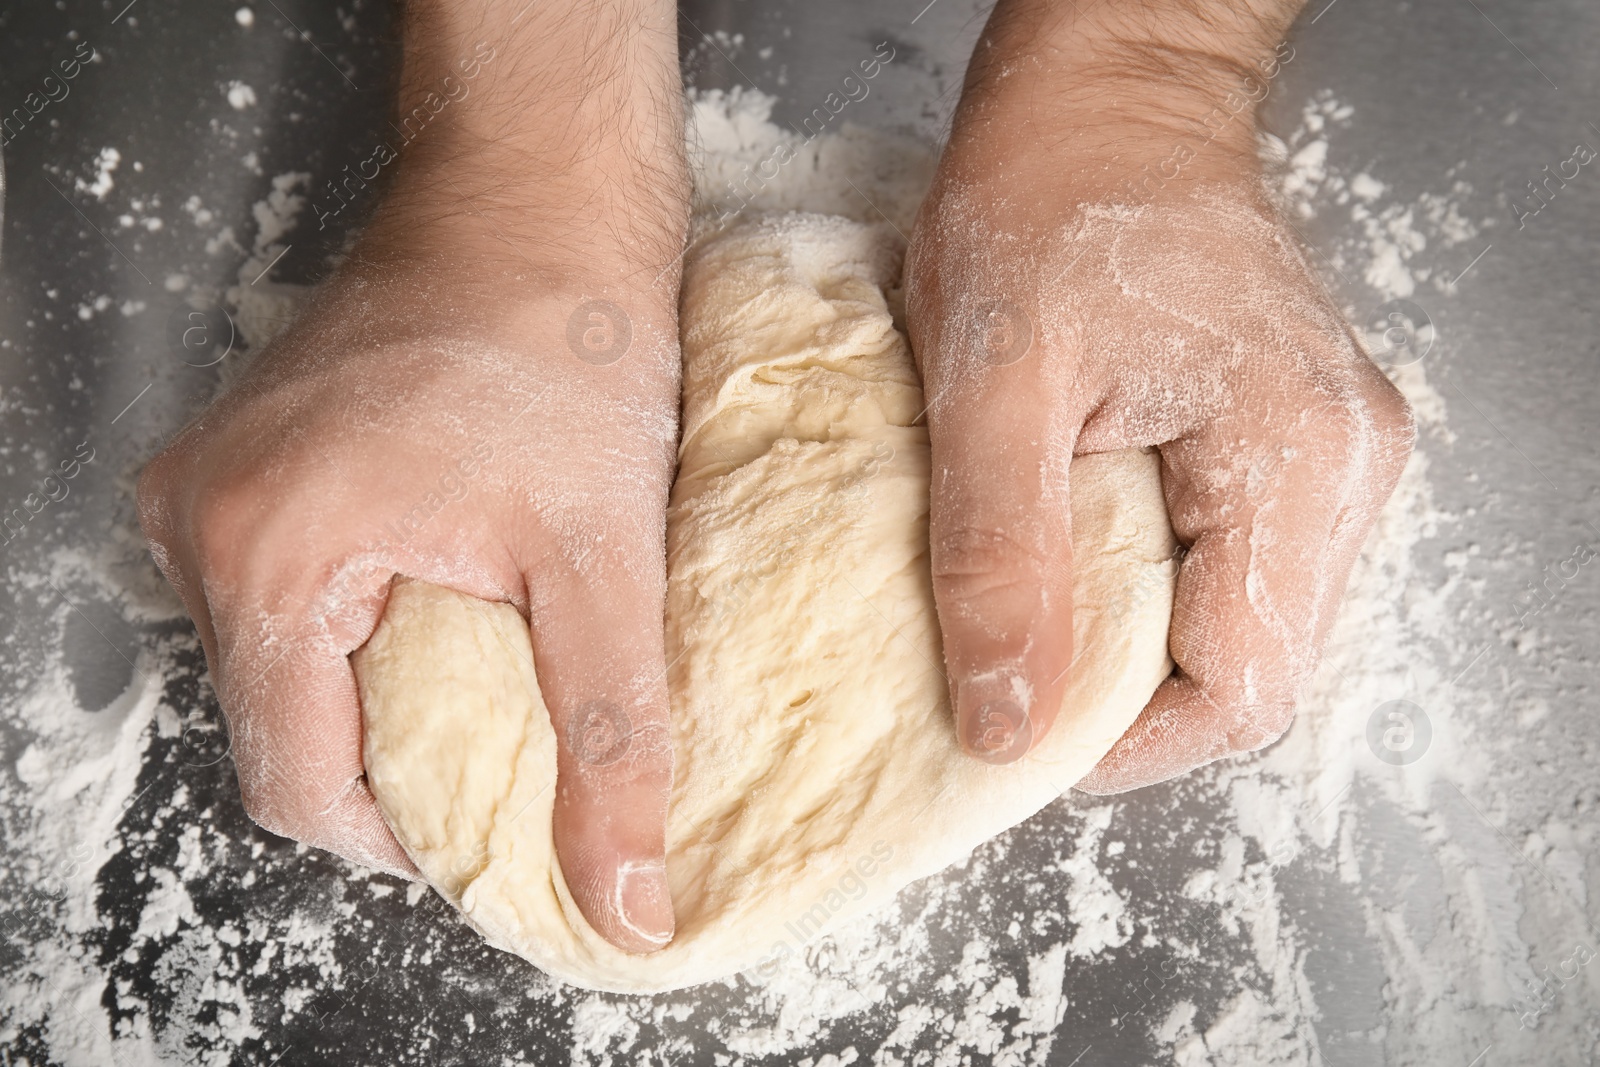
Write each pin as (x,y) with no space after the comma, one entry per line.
(817,769)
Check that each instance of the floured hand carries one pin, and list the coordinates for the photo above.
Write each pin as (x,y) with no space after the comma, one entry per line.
(1061,301)
(485,397)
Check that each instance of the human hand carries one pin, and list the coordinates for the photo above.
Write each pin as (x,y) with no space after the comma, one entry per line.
(485,398)
(1062,302)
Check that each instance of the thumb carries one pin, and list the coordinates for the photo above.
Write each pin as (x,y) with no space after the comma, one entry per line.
(599,655)
(1001,545)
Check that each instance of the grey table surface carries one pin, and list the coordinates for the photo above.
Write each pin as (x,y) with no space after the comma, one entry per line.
(1434,83)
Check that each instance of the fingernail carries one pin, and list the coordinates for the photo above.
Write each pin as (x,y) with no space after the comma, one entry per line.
(994,722)
(644,905)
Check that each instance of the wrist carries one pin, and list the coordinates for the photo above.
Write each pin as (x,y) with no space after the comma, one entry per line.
(533,131)
(1134,93)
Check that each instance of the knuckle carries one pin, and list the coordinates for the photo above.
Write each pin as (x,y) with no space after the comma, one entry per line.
(968,553)
(295,808)
(154,491)
(261,791)
(1371,424)
(262,805)
(1393,424)
(152,482)
(1342,424)
(1255,726)
(988,579)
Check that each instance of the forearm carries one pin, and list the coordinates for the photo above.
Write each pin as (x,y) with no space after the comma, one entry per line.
(555,125)
(1112,82)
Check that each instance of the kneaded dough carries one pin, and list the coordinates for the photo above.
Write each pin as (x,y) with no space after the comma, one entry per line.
(817,768)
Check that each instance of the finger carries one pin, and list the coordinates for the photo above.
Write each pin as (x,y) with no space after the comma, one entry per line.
(1000,532)
(598,652)
(1273,533)
(293,716)
(295,721)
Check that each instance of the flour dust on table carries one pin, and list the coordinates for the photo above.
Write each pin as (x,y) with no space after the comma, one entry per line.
(147,922)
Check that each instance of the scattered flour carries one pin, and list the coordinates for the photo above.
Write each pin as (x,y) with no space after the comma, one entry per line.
(1392,235)
(149,923)
(240,95)
(105,164)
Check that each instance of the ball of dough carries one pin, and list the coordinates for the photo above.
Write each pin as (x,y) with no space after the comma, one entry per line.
(817,770)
